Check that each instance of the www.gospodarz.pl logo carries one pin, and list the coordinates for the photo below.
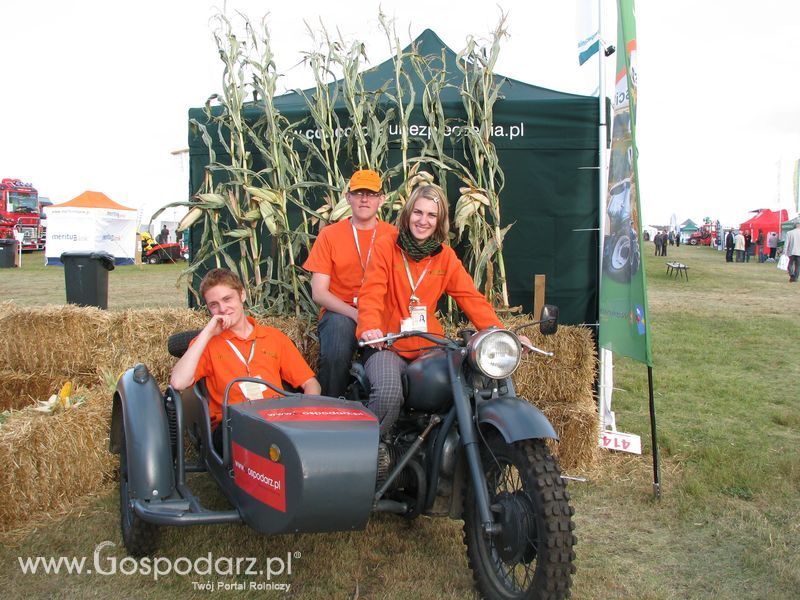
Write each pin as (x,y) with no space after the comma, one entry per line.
(207,566)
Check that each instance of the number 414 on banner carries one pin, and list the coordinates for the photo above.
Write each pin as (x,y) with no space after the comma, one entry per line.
(623,442)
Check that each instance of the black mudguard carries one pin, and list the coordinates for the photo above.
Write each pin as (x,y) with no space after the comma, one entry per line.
(516,419)
(139,408)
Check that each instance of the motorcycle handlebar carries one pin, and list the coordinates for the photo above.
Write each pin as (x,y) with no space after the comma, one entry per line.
(439,340)
(390,337)
(533,348)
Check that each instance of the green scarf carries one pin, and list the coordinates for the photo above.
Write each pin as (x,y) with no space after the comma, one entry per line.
(416,250)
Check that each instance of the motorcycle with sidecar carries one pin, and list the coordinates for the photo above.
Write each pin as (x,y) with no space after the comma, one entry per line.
(465,446)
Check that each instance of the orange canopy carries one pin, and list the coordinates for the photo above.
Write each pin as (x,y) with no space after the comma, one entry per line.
(93,200)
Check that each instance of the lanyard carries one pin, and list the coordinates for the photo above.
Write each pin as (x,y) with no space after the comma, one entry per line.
(414,286)
(238,354)
(358,247)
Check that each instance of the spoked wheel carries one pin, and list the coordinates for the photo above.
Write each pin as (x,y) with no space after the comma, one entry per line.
(140,537)
(532,556)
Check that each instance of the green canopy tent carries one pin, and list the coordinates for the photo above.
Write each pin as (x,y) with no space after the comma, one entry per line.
(547,145)
(689,226)
(789,225)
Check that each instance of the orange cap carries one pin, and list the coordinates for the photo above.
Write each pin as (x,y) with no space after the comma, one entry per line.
(366,179)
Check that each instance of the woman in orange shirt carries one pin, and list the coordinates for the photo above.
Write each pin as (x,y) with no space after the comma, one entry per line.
(408,274)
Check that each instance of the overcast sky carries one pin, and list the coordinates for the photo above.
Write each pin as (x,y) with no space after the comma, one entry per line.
(96,93)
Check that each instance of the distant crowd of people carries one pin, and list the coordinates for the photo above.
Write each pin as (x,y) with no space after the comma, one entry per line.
(740,246)
(662,238)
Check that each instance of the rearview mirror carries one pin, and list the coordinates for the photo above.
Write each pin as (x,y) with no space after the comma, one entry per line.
(548,324)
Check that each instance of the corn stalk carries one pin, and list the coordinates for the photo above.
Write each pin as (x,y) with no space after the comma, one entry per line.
(239,204)
(479,203)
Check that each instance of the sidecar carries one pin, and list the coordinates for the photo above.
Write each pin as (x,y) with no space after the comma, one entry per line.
(295,464)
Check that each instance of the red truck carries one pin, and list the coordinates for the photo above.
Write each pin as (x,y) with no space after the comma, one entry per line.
(19,211)
(703,236)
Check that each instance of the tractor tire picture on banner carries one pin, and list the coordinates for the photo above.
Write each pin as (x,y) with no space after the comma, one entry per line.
(621,252)
(621,256)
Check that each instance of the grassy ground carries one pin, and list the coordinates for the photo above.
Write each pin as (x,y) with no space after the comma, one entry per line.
(131,286)
(726,526)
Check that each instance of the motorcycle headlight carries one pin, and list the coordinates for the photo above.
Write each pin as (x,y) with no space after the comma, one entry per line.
(495,352)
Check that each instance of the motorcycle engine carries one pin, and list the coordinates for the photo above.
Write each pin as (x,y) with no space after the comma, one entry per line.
(389,454)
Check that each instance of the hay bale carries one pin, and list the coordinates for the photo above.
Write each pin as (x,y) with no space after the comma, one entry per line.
(47,461)
(56,340)
(140,335)
(562,387)
(578,427)
(566,377)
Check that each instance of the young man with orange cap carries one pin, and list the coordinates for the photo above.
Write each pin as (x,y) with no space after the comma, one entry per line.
(338,261)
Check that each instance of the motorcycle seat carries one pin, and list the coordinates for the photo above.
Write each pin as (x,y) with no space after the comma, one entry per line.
(359,387)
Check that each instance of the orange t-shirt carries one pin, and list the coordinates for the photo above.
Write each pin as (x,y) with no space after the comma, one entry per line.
(385,296)
(335,254)
(275,359)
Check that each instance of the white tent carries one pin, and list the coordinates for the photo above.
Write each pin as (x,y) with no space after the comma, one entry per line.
(92,222)
(650,231)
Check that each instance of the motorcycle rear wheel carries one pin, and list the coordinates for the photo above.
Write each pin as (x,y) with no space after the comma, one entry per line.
(532,557)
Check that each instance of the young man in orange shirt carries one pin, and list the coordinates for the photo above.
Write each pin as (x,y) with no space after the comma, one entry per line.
(338,261)
(235,345)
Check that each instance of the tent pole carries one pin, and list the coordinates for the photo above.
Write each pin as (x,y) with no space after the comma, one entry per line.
(606,382)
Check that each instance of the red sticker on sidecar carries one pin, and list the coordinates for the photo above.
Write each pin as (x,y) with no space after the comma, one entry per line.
(317,413)
(259,477)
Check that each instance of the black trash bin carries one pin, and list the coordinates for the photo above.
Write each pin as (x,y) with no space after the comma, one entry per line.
(8,253)
(86,277)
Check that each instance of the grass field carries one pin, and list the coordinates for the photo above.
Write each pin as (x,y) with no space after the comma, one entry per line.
(131,286)
(727,525)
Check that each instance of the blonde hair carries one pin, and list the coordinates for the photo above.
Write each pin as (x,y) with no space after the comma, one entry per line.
(432,192)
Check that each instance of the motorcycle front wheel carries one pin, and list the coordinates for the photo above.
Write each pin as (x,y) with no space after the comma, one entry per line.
(139,537)
(532,557)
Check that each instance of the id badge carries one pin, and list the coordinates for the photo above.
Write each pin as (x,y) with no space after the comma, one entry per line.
(252,390)
(405,325)
(419,317)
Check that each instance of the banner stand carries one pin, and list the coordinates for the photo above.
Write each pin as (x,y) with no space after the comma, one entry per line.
(653,436)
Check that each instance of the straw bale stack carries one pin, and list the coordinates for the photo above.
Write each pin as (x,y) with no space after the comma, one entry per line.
(47,461)
(55,343)
(562,388)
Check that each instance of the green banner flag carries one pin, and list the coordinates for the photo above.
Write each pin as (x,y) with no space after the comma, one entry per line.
(624,326)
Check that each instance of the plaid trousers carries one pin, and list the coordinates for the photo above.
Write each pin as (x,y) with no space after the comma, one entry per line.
(385,371)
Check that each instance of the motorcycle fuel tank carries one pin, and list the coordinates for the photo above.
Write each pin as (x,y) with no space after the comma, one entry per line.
(303,463)
(428,383)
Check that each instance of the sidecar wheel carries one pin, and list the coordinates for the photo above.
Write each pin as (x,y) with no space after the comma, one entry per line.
(140,537)
(532,557)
